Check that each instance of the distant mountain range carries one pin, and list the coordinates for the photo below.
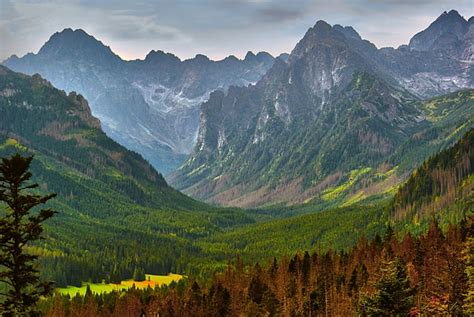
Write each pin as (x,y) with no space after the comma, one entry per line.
(328,123)
(150,106)
(339,121)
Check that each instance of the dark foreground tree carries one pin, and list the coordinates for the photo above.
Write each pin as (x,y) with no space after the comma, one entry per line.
(19,225)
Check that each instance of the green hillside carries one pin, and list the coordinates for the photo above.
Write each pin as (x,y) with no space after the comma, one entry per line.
(442,187)
(449,117)
(116,212)
(444,184)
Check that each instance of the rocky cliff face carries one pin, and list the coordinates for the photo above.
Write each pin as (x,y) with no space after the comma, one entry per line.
(337,108)
(151,106)
(438,59)
(446,33)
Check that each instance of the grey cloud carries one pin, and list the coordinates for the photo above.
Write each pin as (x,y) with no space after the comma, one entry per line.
(278,14)
(7,11)
(128,27)
(213,27)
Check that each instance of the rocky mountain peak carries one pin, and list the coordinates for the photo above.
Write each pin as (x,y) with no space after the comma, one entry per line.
(348,31)
(264,57)
(261,57)
(321,26)
(231,59)
(201,58)
(320,33)
(75,43)
(448,28)
(451,16)
(161,57)
(250,56)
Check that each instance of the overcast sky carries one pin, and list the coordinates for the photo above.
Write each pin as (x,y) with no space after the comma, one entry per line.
(216,28)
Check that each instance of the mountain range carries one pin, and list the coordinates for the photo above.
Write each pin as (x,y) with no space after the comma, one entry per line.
(112,204)
(339,121)
(150,106)
(327,144)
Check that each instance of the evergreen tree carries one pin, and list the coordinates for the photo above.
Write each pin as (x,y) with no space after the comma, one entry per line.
(220,300)
(89,291)
(18,227)
(306,267)
(394,296)
(139,274)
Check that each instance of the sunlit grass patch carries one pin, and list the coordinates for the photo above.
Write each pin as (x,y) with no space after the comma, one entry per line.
(151,281)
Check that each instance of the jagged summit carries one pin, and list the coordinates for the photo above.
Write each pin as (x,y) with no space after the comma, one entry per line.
(448,28)
(250,56)
(230,59)
(321,35)
(323,30)
(199,58)
(78,44)
(338,104)
(321,25)
(161,56)
(69,36)
(348,31)
(264,56)
(259,57)
(452,15)
(151,106)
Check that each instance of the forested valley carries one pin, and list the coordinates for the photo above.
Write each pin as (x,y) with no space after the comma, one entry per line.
(335,180)
(390,275)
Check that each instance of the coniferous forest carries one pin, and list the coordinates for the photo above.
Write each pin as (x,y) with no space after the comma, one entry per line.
(390,275)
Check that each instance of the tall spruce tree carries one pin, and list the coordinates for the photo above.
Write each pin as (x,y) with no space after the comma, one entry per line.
(394,296)
(20,225)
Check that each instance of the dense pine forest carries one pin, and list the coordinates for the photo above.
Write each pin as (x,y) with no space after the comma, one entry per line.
(446,176)
(387,276)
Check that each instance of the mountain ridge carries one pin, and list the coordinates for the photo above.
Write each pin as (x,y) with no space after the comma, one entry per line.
(149,105)
(152,105)
(355,108)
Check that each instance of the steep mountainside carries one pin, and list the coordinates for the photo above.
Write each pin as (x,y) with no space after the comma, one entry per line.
(116,212)
(336,115)
(438,59)
(150,106)
(445,182)
(441,188)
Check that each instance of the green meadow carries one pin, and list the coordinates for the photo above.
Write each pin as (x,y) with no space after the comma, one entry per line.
(151,281)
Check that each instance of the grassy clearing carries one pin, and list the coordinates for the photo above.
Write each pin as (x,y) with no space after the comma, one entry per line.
(12,143)
(151,280)
(335,192)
